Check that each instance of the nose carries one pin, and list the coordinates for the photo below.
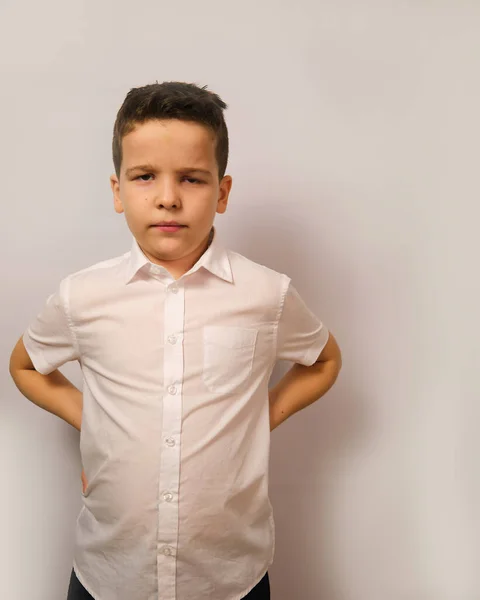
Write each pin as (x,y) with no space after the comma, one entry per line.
(167,195)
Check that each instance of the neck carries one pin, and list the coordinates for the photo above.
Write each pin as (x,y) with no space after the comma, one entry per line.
(177,268)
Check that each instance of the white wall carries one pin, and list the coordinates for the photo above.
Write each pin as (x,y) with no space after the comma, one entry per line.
(354,150)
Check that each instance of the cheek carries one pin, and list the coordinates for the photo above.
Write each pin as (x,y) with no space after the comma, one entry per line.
(136,210)
(139,204)
(205,205)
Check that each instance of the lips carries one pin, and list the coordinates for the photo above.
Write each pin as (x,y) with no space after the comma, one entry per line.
(168,226)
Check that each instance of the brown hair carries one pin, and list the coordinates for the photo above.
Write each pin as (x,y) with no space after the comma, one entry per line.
(172,100)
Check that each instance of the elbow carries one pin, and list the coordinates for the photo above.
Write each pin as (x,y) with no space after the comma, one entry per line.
(335,368)
(336,365)
(339,362)
(19,360)
(14,369)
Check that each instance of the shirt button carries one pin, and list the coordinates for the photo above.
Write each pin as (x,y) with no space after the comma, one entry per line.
(168,551)
(172,390)
(174,289)
(172,339)
(168,496)
(170,442)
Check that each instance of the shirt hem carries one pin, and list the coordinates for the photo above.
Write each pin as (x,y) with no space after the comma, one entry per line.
(240,597)
(250,588)
(82,581)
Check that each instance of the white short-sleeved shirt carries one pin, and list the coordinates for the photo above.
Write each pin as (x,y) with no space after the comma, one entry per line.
(175,434)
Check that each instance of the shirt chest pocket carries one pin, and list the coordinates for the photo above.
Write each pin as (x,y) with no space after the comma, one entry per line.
(228,354)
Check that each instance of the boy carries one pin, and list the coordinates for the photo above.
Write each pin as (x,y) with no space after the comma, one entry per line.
(176,340)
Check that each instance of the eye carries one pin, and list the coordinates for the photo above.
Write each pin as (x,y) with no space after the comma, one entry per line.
(192,180)
(142,176)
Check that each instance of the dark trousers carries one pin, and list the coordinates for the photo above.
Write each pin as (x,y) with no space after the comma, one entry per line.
(76,591)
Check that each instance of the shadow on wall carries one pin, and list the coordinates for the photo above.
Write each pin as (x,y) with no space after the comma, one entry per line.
(307,450)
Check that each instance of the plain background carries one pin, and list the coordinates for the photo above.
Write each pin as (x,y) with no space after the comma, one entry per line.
(354,132)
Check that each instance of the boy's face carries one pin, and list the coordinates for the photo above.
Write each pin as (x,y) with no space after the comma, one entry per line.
(169,173)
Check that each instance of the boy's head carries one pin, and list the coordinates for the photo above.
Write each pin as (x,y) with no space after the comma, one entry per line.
(170,152)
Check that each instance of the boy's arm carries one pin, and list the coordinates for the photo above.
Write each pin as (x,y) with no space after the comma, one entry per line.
(52,392)
(301,386)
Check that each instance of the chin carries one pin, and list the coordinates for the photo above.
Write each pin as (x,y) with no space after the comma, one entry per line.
(173,253)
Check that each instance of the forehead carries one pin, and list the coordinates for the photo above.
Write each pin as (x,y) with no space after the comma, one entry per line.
(172,140)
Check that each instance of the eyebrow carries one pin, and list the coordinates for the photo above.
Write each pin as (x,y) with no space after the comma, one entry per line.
(151,168)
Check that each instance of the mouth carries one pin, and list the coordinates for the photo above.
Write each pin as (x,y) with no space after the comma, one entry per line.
(168,226)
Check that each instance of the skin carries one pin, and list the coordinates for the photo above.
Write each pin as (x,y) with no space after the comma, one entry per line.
(172,188)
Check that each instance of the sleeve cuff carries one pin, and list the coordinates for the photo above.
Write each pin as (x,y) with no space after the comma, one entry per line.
(37,360)
(314,352)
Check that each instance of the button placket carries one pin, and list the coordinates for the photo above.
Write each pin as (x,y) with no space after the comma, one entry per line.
(169,477)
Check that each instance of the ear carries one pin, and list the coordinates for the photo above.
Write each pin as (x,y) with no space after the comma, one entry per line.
(115,185)
(225,187)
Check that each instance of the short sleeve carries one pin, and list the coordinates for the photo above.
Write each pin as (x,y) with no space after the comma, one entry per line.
(49,339)
(301,335)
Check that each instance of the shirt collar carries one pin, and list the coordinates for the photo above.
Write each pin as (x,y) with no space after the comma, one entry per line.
(214,259)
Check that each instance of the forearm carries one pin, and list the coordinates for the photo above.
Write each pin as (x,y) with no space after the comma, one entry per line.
(53,392)
(300,387)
